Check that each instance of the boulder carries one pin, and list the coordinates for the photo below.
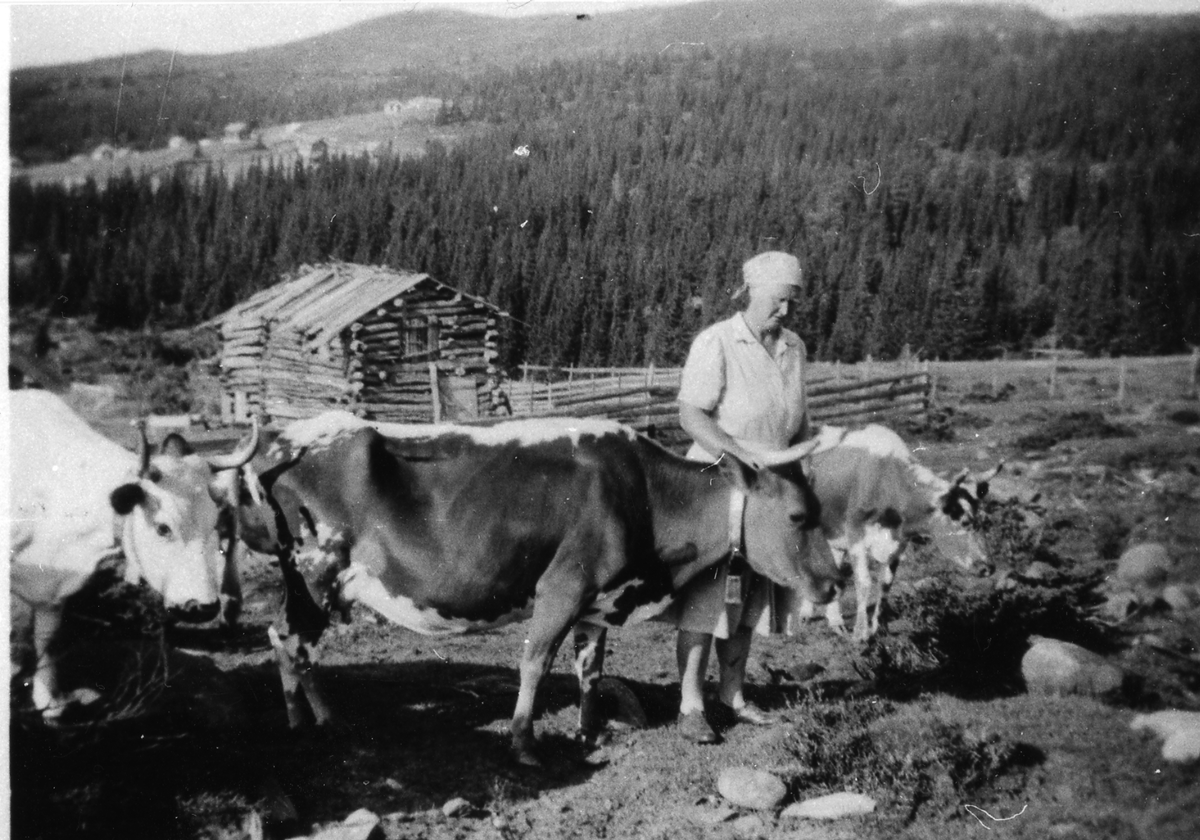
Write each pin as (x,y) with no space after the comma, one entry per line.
(1180,597)
(1144,564)
(1180,732)
(750,788)
(834,806)
(1118,606)
(1051,666)
(1004,488)
(749,827)
(360,825)
(1039,570)
(457,807)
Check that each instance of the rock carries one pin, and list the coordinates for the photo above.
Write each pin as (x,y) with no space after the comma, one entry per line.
(456,807)
(1118,606)
(1039,570)
(750,788)
(1180,597)
(360,825)
(831,807)
(1144,564)
(1051,666)
(749,827)
(1180,732)
(702,815)
(1003,488)
(629,709)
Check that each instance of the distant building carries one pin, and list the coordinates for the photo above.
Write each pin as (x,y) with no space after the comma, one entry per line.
(104,151)
(236,131)
(393,106)
(318,152)
(177,142)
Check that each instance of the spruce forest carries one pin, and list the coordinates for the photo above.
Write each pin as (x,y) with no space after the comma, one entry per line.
(961,192)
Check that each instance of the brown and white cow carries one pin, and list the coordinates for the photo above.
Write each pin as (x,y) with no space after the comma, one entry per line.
(876,498)
(78,499)
(564,522)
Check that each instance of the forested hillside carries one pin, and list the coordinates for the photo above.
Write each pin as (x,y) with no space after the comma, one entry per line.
(957,191)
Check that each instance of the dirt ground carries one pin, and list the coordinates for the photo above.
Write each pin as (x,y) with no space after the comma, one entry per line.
(932,720)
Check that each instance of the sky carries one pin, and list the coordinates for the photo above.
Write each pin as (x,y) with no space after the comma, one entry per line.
(60,32)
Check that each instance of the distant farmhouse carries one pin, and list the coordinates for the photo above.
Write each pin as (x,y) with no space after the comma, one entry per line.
(384,343)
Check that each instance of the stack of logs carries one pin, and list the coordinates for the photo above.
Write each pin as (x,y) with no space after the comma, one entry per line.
(281,376)
(461,338)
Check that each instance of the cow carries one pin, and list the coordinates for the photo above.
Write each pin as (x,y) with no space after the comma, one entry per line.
(79,501)
(564,522)
(875,498)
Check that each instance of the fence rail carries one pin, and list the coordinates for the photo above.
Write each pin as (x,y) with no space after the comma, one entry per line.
(645,398)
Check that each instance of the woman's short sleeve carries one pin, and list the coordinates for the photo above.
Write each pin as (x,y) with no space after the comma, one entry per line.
(703,379)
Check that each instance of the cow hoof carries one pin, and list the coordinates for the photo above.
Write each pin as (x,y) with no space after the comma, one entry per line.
(594,739)
(526,757)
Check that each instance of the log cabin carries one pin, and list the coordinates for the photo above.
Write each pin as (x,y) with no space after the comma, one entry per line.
(377,341)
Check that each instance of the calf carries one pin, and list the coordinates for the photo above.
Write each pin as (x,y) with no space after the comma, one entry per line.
(875,498)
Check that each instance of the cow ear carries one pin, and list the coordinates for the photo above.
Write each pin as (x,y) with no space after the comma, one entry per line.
(890,518)
(737,472)
(126,497)
(952,506)
(223,489)
(176,446)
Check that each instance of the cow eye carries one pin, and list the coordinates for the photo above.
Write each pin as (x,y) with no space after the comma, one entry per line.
(163,529)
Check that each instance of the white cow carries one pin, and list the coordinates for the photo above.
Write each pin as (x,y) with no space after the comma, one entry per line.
(77,499)
(875,498)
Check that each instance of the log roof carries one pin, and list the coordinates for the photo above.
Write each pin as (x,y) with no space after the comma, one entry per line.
(322,300)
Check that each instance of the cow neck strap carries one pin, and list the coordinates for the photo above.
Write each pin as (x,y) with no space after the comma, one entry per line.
(737,510)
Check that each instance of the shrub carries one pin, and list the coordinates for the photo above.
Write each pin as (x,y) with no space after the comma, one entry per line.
(864,745)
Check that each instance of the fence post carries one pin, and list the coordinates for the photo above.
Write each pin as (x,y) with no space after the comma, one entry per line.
(1053,373)
(837,371)
(435,396)
(933,383)
(1122,373)
(550,389)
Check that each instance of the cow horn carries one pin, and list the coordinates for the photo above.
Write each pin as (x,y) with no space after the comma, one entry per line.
(827,439)
(960,476)
(241,455)
(990,474)
(143,448)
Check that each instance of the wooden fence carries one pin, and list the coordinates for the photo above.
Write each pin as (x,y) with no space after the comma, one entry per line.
(645,398)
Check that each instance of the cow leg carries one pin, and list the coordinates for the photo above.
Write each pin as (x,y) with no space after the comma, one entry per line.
(231,587)
(833,617)
(46,699)
(860,557)
(887,574)
(297,664)
(557,603)
(590,640)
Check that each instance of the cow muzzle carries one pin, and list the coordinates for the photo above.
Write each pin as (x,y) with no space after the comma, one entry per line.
(194,612)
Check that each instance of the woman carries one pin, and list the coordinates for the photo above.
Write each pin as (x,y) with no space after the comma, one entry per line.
(742,386)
